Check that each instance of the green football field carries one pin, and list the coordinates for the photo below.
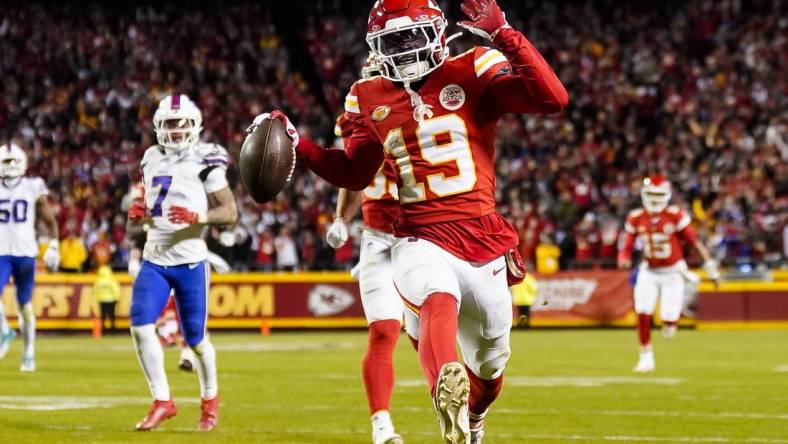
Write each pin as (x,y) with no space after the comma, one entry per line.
(561,386)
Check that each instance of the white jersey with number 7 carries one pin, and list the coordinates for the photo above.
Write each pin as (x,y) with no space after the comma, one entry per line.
(184,179)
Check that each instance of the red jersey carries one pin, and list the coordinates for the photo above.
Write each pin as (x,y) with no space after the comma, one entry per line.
(379,200)
(444,162)
(660,234)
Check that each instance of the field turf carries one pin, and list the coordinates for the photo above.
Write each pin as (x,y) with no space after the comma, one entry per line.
(561,387)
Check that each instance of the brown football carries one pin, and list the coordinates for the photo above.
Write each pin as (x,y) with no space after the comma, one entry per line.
(267,160)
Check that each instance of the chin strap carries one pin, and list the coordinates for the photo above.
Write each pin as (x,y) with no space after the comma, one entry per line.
(450,38)
(421,111)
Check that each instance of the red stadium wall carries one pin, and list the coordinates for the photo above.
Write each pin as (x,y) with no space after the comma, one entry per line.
(326,300)
(749,304)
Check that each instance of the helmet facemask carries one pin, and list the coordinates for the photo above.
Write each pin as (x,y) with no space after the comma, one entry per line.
(13,162)
(409,51)
(177,134)
(177,125)
(655,200)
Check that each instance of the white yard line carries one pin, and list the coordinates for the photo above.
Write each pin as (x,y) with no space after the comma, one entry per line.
(53,403)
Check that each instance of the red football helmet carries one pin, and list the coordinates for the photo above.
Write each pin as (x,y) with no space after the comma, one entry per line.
(408,38)
(655,193)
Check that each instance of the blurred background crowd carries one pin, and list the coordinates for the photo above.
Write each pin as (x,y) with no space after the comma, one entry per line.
(694,89)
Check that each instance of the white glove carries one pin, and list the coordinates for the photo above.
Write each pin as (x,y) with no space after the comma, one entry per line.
(134,267)
(711,269)
(337,233)
(52,255)
(276,114)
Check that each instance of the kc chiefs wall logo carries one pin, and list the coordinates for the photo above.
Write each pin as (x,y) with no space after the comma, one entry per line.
(452,97)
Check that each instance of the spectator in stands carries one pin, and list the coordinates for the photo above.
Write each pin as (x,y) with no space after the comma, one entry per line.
(73,253)
(286,252)
(706,105)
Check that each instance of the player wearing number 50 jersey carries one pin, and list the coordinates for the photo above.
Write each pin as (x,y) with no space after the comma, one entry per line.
(22,201)
(433,117)
(660,228)
(185,188)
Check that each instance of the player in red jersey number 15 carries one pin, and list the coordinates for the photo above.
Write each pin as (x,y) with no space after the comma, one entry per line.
(432,117)
(660,228)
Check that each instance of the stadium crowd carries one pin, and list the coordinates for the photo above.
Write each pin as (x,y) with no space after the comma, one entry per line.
(694,89)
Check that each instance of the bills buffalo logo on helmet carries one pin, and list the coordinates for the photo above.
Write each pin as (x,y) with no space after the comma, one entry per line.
(452,97)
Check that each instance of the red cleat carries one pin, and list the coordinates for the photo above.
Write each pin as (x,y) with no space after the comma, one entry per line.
(209,417)
(159,412)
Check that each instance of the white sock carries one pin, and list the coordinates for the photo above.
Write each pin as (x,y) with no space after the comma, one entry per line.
(381,417)
(4,328)
(206,368)
(151,357)
(647,353)
(27,325)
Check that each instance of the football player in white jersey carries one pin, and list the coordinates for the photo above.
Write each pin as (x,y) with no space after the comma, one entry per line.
(22,201)
(185,189)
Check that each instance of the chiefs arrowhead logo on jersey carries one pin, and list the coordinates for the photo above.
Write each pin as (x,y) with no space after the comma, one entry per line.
(380,113)
(327,300)
(452,97)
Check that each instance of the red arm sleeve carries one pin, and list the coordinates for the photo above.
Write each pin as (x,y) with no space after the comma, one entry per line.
(626,249)
(689,234)
(629,239)
(532,88)
(352,168)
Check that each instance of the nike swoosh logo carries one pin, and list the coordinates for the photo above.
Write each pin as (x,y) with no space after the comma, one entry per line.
(495,272)
(193,266)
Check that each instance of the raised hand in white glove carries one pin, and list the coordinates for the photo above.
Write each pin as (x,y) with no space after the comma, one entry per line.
(276,114)
(337,233)
(52,255)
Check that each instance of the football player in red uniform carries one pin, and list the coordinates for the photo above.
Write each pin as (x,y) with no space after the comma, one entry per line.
(661,228)
(433,118)
(383,307)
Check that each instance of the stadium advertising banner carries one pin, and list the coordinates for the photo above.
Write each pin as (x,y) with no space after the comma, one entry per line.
(583,298)
(254,300)
(326,300)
